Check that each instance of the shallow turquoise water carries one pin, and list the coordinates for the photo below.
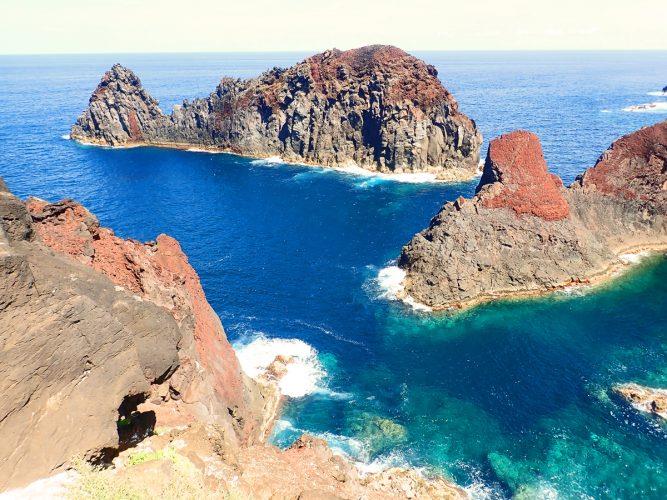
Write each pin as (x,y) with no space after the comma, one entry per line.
(509,397)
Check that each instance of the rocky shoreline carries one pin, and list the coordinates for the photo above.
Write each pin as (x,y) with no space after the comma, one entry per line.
(112,354)
(375,107)
(524,234)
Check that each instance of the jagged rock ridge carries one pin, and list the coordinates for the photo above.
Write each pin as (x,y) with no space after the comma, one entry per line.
(377,107)
(91,326)
(523,233)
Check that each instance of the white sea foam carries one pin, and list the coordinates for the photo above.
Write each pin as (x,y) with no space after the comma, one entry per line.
(658,93)
(202,150)
(65,136)
(304,375)
(390,280)
(632,258)
(393,459)
(605,111)
(407,177)
(649,107)
(271,160)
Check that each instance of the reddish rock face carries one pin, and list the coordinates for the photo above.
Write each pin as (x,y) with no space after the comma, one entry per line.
(633,168)
(157,271)
(517,172)
(410,79)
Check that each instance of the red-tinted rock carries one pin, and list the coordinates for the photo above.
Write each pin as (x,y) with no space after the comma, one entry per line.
(377,107)
(633,168)
(160,272)
(517,171)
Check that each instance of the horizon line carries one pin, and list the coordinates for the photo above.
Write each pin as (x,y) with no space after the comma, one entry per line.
(316,51)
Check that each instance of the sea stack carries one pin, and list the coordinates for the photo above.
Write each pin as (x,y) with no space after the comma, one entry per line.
(375,107)
(523,233)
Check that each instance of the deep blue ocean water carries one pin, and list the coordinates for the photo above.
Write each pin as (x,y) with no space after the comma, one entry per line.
(509,398)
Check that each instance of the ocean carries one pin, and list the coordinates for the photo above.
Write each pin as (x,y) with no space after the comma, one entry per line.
(510,398)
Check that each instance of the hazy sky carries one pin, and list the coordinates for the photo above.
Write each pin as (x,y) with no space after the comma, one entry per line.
(75,26)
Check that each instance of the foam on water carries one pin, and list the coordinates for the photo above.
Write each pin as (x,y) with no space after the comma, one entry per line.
(305,373)
(202,150)
(658,93)
(271,160)
(66,137)
(632,258)
(649,107)
(390,280)
(346,446)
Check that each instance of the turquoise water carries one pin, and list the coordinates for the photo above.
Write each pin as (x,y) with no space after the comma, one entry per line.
(509,398)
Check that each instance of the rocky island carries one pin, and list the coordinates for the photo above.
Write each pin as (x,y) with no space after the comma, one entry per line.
(375,107)
(523,233)
(112,355)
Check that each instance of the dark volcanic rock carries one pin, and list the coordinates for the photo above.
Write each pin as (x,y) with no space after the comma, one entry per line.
(523,233)
(90,326)
(377,107)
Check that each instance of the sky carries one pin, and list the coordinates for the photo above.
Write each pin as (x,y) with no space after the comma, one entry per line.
(118,26)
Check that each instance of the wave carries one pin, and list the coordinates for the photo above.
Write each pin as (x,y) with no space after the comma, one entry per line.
(658,93)
(390,282)
(650,107)
(203,150)
(304,374)
(66,137)
(271,160)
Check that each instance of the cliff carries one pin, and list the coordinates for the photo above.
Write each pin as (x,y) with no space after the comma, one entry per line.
(376,107)
(110,352)
(523,233)
(91,326)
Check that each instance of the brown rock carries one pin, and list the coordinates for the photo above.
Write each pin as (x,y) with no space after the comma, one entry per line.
(376,106)
(81,310)
(516,164)
(646,399)
(523,234)
(633,168)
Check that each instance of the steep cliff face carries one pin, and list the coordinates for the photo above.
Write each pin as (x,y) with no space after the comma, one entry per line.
(523,233)
(102,339)
(377,107)
(91,325)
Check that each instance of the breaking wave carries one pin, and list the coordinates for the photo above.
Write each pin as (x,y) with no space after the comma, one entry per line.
(305,374)
(271,160)
(390,283)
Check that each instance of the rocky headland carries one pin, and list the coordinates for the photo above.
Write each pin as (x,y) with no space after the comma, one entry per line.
(375,107)
(110,354)
(523,233)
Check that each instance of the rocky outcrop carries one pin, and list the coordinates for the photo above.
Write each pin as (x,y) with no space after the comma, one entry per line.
(524,233)
(646,399)
(91,325)
(109,351)
(376,107)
